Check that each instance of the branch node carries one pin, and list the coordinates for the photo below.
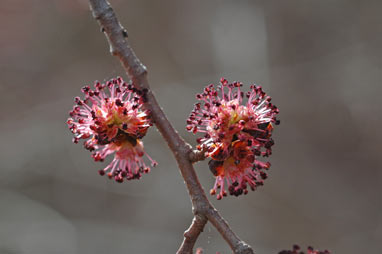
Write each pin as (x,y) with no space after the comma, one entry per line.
(197,155)
(243,248)
(113,52)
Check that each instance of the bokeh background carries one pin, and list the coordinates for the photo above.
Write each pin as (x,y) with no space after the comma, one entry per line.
(319,60)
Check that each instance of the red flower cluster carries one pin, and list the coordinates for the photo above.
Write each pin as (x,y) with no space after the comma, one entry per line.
(111,120)
(297,250)
(235,134)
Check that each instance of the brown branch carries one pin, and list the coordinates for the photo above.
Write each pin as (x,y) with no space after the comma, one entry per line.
(202,208)
(192,233)
(237,245)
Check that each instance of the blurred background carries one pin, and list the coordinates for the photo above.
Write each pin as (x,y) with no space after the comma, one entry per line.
(319,60)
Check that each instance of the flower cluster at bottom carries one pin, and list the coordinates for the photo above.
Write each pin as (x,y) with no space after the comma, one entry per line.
(297,250)
(235,135)
(111,120)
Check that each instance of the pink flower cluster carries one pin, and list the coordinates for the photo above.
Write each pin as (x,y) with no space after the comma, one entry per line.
(111,120)
(235,133)
(297,250)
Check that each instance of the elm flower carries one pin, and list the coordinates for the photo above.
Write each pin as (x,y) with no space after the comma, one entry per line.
(297,250)
(111,120)
(235,134)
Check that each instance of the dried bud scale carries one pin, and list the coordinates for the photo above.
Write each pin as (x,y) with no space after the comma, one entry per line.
(235,134)
(111,120)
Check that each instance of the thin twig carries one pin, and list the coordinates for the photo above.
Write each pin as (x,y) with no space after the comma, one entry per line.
(202,208)
(237,245)
(192,233)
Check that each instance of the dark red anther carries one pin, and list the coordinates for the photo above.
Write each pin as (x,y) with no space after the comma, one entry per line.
(260,183)
(118,102)
(118,179)
(78,101)
(269,144)
(223,81)
(97,85)
(263,175)
(85,89)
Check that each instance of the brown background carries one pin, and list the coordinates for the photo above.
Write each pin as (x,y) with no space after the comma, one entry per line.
(319,60)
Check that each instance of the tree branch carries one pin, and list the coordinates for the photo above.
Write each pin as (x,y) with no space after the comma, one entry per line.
(202,208)
(192,233)
(237,245)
